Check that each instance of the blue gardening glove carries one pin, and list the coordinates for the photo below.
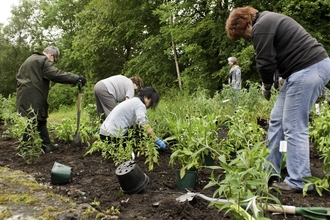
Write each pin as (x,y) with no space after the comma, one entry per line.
(160,144)
(266,90)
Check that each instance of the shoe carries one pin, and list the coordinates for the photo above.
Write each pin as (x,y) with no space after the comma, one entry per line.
(50,147)
(271,180)
(285,188)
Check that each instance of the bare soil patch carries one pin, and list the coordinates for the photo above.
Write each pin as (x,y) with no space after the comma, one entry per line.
(94,179)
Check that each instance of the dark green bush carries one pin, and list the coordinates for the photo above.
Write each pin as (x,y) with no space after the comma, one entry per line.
(66,95)
(62,95)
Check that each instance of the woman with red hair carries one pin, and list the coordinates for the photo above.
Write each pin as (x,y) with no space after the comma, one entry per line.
(283,45)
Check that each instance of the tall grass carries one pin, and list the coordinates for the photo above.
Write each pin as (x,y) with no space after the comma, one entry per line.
(63,112)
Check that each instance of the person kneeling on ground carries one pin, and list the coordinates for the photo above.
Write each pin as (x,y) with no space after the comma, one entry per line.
(132,113)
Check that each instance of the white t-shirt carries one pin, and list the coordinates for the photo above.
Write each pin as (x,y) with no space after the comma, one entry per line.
(126,114)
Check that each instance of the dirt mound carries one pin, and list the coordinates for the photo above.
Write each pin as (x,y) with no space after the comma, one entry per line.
(94,181)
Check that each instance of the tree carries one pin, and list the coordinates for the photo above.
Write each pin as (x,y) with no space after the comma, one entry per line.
(15,44)
(110,35)
(10,60)
(169,44)
(59,17)
(314,16)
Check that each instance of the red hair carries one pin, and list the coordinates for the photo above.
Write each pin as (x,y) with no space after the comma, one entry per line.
(238,21)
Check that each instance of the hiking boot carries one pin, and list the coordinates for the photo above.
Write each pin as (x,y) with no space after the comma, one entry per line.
(50,147)
(286,188)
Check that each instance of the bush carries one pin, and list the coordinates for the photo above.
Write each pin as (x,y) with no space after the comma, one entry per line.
(64,95)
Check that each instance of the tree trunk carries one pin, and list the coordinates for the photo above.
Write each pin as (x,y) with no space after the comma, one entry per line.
(176,63)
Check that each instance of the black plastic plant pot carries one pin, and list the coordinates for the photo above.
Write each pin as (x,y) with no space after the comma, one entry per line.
(131,178)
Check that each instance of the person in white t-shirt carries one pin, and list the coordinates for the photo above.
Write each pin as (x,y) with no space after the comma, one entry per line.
(132,113)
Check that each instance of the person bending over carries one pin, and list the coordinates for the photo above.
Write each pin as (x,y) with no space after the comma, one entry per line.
(283,45)
(108,92)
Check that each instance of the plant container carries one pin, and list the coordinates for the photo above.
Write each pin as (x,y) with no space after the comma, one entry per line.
(60,174)
(131,178)
(208,160)
(188,180)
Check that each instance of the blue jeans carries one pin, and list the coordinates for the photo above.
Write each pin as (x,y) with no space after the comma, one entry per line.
(289,120)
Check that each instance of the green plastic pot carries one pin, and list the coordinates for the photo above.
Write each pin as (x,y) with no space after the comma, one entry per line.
(188,180)
(208,160)
(60,174)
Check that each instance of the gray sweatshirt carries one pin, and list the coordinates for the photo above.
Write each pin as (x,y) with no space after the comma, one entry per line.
(119,86)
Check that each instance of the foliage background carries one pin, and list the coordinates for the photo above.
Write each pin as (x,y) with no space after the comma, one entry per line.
(101,38)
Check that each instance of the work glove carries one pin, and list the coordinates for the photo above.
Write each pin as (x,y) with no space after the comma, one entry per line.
(82,80)
(266,90)
(160,144)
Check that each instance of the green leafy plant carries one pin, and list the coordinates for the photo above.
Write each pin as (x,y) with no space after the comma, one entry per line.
(320,184)
(241,157)
(94,119)
(7,109)
(66,128)
(194,137)
(242,128)
(121,150)
(112,211)
(243,178)
(118,151)
(31,148)
(16,127)
(320,136)
(146,146)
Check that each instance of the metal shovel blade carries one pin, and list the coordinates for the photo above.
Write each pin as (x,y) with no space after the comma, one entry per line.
(185,197)
(77,140)
(190,196)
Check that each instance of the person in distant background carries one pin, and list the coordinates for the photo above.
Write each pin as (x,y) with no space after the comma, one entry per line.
(283,44)
(132,114)
(108,92)
(33,79)
(234,74)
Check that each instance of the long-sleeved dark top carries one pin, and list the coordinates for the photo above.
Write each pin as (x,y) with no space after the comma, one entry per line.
(281,43)
(33,79)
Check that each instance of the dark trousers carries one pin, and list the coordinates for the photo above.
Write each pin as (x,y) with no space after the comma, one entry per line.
(42,128)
